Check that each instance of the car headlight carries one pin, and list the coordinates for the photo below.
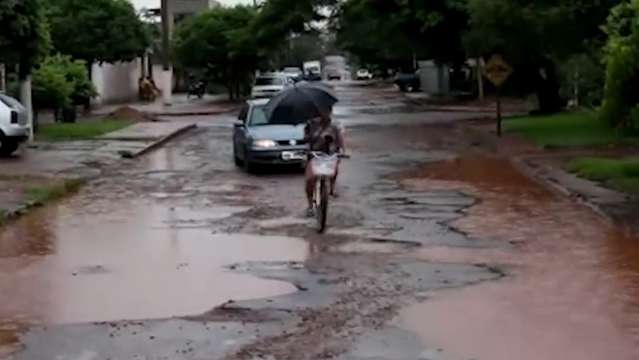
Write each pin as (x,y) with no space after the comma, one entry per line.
(264,144)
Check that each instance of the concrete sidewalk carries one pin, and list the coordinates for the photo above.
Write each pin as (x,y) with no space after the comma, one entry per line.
(46,164)
(80,157)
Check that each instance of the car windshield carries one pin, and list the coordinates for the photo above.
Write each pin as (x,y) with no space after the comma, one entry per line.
(11,102)
(266,81)
(258,116)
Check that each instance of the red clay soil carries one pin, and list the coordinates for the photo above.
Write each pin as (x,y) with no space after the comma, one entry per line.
(130,114)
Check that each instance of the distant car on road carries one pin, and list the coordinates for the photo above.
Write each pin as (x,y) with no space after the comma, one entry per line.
(311,76)
(364,74)
(408,81)
(268,85)
(333,74)
(14,128)
(293,73)
(313,67)
(258,142)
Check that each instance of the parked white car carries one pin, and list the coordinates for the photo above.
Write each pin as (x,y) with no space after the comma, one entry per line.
(14,128)
(364,74)
(268,85)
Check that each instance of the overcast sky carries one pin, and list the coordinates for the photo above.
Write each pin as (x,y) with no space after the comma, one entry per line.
(156,3)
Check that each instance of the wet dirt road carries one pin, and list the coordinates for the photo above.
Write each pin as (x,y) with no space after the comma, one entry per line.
(435,251)
(573,289)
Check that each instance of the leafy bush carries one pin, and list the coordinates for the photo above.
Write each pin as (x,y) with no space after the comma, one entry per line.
(60,82)
(77,73)
(51,89)
(621,99)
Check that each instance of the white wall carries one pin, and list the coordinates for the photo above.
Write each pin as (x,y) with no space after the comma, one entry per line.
(116,82)
(435,79)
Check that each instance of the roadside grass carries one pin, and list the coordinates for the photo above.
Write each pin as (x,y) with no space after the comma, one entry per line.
(569,129)
(43,194)
(80,130)
(39,192)
(619,174)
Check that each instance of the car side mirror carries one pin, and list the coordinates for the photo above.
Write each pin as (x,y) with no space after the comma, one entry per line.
(238,124)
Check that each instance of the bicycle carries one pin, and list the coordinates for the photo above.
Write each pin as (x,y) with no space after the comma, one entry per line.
(324,168)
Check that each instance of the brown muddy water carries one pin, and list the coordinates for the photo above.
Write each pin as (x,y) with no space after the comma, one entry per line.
(132,260)
(573,292)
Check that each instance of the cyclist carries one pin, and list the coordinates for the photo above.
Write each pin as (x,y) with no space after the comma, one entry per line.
(316,133)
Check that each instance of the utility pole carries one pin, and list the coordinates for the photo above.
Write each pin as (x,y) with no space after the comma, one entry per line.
(167,73)
(24,76)
(480,78)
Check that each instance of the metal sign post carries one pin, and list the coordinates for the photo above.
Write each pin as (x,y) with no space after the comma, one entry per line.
(497,71)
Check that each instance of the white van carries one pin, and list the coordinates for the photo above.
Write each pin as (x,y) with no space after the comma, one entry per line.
(14,127)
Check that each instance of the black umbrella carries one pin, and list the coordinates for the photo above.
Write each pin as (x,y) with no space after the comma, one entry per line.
(299,103)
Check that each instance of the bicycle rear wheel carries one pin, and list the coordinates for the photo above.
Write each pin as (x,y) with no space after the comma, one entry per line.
(322,210)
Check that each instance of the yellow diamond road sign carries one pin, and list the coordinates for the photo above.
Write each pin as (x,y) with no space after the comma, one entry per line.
(497,70)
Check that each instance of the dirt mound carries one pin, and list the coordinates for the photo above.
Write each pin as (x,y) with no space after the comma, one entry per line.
(131,114)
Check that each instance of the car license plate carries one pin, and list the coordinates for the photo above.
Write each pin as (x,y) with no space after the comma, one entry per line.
(293,155)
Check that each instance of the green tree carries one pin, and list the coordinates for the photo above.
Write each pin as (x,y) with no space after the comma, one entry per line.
(97,30)
(24,36)
(220,41)
(535,37)
(582,79)
(392,32)
(366,30)
(279,21)
(301,48)
(621,100)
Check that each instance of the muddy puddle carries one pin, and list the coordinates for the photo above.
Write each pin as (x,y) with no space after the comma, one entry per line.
(573,289)
(65,265)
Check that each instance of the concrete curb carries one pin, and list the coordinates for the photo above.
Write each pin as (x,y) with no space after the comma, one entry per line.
(14,214)
(557,187)
(27,206)
(158,143)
